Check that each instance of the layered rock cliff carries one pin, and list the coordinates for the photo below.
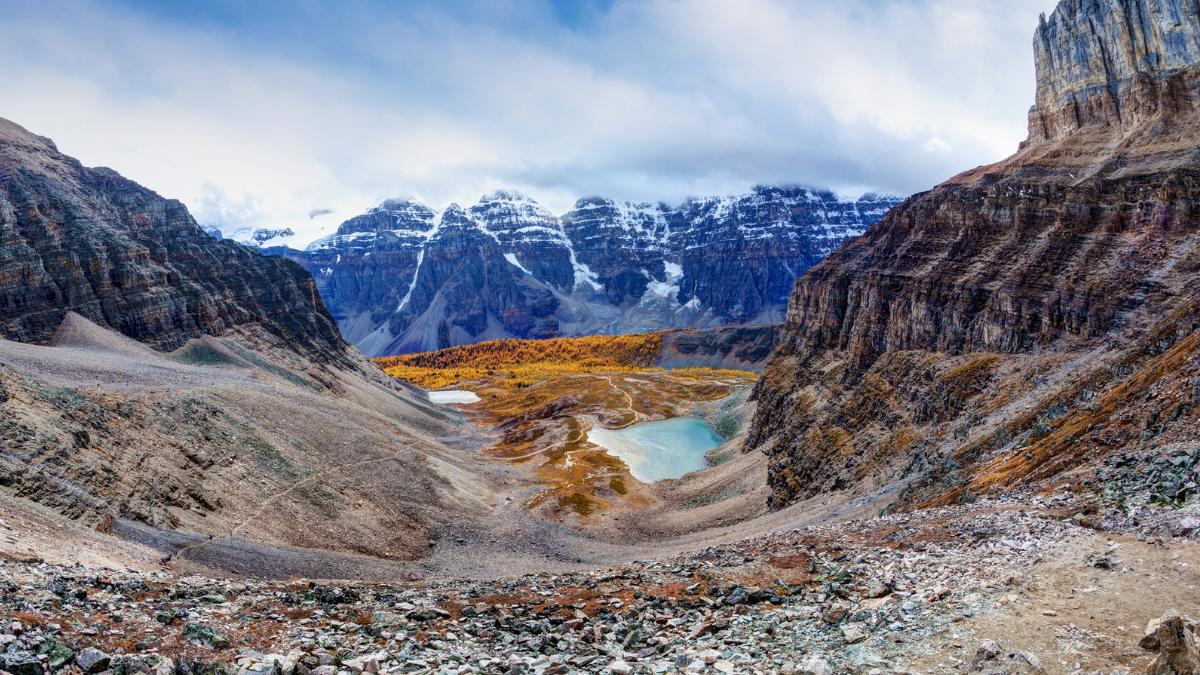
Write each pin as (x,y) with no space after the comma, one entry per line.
(92,242)
(955,333)
(398,280)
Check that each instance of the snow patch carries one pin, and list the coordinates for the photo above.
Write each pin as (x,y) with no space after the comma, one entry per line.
(512,260)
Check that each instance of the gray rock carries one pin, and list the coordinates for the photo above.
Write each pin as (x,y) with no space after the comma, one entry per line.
(22,663)
(92,660)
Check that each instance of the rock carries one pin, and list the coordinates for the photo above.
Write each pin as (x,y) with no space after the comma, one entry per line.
(21,663)
(876,589)
(92,660)
(1026,662)
(834,615)
(723,667)
(1112,137)
(853,632)
(1186,526)
(815,664)
(738,596)
(709,656)
(1173,637)
(988,650)
(619,666)
(204,635)
(57,654)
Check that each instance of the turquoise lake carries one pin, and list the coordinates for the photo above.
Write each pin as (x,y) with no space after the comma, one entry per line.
(658,450)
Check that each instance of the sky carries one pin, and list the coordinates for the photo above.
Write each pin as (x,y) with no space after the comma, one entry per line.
(258,114)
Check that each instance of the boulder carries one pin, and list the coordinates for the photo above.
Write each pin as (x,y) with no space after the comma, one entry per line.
(1173,637)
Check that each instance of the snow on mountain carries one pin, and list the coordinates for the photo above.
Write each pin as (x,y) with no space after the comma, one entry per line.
(403,276)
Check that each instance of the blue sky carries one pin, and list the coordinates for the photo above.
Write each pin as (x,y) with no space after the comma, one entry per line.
(256,113)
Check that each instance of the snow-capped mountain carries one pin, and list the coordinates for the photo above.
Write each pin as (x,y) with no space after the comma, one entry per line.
(404,277)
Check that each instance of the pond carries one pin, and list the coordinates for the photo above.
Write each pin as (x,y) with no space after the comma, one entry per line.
(453,396)
(658,450)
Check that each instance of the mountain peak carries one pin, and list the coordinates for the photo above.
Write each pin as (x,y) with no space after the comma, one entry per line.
(1097,62)
(505,195)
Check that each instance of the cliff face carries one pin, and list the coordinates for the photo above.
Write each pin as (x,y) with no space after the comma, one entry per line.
(92,242)
(1112,63)
(603,267)
(997,289)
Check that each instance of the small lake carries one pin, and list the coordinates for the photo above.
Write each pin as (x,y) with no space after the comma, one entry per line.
(453,396)
(658,450)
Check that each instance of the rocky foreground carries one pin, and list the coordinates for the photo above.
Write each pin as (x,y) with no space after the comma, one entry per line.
(1014,585)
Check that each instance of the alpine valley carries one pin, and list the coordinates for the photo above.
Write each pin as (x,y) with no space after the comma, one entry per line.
(403,277)
(971,443)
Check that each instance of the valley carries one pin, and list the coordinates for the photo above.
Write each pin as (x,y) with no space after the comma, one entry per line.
(964,440)
(545,401)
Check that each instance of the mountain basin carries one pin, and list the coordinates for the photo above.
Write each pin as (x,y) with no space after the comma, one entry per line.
(453,396)
(658,450)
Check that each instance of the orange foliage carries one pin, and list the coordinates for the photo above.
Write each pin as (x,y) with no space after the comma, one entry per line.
(523,362)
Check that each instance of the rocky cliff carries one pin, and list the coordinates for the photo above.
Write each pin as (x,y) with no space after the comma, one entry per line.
(92,242)
(403,277)
(957,334)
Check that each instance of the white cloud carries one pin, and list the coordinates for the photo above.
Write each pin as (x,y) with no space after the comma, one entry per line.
(652,100)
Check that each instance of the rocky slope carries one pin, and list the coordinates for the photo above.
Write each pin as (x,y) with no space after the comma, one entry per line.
(92,242)
(1024,318)
(404,278)
(195,394)
(994,587)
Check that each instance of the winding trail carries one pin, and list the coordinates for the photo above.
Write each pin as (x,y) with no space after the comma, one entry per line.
(273,499)
(637,416)
(581,431)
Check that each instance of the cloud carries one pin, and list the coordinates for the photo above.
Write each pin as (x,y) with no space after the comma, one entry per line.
(255,114)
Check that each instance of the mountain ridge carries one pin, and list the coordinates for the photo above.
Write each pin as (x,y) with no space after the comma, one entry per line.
(605,267)
(90,241)
(909,353)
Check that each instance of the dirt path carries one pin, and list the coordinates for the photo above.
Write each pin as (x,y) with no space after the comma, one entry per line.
(273,499)
(637,416)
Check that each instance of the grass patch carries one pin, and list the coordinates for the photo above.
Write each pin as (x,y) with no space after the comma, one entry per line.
(200,354)
(520,364)
(578,503)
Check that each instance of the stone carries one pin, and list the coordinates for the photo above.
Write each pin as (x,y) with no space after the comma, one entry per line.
(1027,662)
(620,667)
(1173,639)
(57,654)
(988,650)
(834,615)
(21,663)
(853,632)
(92,660)
(204,635)
(815,664)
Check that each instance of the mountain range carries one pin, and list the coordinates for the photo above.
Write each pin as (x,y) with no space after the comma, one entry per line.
(403,277)
(976,432)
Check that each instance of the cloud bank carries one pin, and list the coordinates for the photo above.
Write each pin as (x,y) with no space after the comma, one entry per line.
(262,114)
